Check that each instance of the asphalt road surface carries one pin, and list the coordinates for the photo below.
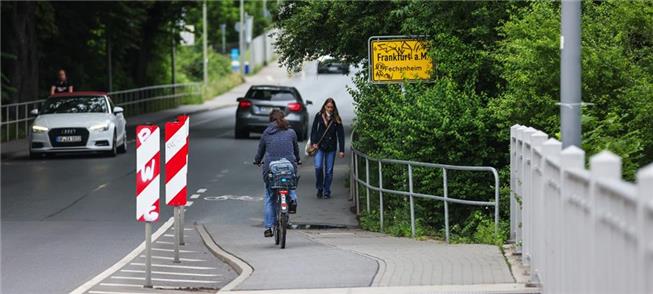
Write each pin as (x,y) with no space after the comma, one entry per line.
(66,219)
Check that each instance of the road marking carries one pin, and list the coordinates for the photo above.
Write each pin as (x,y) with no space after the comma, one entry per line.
(171,273)
(233,197)
(99,187)
(171,236)
(121,263)
(175,266)
(189,203)
(120,285)
(170,250)
(201,190)
(111,292)
(194,196)
(166,280)
(170,258)
(165,242)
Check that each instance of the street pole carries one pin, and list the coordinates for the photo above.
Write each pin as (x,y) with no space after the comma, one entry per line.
(174,61)
(570,73)
(241,38)
(148,255)
(223,33)
(109,64)
(205,47)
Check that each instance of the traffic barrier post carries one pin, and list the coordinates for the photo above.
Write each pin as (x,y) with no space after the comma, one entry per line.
(176,153)
(147,187)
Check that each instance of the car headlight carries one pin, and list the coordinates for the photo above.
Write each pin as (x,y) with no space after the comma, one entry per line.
(39,129)
(99,127)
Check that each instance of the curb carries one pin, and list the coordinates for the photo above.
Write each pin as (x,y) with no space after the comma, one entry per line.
(243,269)
(122,262)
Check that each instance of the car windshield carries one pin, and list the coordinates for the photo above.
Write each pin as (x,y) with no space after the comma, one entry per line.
(270,94)
(75,105)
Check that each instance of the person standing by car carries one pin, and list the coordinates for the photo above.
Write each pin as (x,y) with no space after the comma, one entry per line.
(278,141)
(62,84)
(328,135)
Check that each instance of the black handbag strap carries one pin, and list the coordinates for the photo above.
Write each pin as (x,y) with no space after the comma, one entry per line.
(325,131)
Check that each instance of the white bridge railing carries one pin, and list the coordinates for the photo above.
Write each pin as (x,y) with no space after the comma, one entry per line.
(580,230)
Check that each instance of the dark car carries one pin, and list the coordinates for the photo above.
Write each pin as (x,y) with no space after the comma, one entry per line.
(254,108)
(328,64)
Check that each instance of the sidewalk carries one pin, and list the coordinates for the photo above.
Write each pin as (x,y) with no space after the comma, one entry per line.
(270,74)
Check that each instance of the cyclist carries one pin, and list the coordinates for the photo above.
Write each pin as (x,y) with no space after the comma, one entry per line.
(278,141)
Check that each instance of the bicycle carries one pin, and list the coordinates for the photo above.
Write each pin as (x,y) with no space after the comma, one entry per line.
(281,179)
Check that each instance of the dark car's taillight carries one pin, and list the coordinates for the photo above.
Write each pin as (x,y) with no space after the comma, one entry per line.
(295,106)
(244,104)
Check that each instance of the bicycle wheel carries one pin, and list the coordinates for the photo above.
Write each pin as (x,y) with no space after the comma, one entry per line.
(276,234)
(283,227)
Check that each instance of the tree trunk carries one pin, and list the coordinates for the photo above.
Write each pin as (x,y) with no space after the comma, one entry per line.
(21,42)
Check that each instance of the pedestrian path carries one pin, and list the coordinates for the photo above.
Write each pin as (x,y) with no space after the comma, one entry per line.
(409,262)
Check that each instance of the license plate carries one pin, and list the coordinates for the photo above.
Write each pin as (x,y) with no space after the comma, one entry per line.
(69,139)
(333,68)
(266,109)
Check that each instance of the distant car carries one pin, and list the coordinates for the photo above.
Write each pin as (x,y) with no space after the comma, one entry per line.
(78,121)
(328,64)
(259,101)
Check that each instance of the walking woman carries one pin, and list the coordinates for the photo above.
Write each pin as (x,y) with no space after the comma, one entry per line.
(327,136)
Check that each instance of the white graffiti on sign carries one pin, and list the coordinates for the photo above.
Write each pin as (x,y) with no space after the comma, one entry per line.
(233,197)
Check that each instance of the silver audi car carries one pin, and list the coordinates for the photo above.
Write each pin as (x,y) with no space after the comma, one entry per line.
(254,109)
(77,122)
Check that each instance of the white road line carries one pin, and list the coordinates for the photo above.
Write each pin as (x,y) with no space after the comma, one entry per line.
(165,242)
(172,236)
(120,285)
(121,263)
(194,196)
(201,190)
(171,250)
(189,203)
(176,266)
(111,292)
(171,273)
(170,258)
(166,280)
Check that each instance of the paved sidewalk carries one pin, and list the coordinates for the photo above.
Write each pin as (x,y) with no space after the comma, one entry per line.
(409,262)
(271,74)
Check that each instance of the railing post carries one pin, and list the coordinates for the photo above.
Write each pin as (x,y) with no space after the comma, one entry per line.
(513,185)
(367,182)
(568,262)
(605,165)
(380,197)
(644,268)
(358,209)
(412,203)
(445,186)
(16,123)
(26,120)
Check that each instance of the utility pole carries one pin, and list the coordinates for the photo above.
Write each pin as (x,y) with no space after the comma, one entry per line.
(174,59)
(223,33)
(204,45)
(570,73)
(241,38)
(109,68)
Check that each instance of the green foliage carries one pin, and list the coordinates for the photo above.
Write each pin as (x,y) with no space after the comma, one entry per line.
(617,78)
(496,64)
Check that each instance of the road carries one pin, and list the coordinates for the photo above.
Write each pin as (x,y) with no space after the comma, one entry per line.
(66,219)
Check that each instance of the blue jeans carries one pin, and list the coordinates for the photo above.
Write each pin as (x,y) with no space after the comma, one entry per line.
(269,208)
(324,161)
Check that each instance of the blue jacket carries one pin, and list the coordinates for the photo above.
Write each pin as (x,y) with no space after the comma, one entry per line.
(275,144)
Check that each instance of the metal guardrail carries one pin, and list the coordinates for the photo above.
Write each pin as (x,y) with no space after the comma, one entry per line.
(16,119)
(411,194)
